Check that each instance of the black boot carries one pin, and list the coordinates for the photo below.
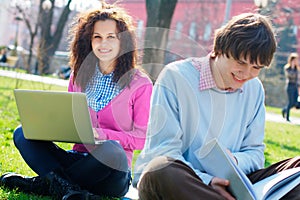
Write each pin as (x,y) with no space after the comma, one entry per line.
(50,185)
(61,187)
(81,195)
(35,185)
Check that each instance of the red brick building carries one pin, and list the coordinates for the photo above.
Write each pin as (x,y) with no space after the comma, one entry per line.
(196,20)
(192,27)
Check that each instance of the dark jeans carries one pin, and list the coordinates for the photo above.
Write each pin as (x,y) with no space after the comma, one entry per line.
(167,179)
(292,93)
(85,169)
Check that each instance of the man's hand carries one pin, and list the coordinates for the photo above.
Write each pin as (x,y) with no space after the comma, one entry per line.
(219,185)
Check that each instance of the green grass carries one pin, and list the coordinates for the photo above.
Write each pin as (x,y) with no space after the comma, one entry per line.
(281,139)
(10,159)
(293,112)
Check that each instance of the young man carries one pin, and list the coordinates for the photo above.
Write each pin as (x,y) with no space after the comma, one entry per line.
(217,96)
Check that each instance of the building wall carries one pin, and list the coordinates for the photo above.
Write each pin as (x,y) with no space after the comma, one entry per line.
(197,19)
(207,15)
(192,29)
(193,18)
(5,20)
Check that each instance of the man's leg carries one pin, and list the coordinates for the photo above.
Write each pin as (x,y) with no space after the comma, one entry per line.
(166,178)
(275,168)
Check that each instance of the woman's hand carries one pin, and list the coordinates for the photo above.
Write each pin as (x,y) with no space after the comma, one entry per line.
(220,185)
(96,135)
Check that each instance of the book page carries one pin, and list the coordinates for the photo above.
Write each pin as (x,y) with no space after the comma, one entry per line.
(216,162)
(277,185)
(132,194)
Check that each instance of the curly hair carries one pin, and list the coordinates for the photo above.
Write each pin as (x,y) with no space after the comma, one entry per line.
(82,57)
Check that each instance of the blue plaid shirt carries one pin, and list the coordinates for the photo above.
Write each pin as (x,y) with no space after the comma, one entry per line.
(101,90)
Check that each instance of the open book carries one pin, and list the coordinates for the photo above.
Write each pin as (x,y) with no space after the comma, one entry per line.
(132,194)
(218,163)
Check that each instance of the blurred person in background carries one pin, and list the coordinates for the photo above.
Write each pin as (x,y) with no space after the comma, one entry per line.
(291,87)
(3,56)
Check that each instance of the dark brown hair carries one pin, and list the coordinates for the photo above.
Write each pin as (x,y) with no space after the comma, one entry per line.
(247,35)
(82,58)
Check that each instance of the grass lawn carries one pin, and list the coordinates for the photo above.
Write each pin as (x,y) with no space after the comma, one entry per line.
(10,160)
(293,112)
(281,139)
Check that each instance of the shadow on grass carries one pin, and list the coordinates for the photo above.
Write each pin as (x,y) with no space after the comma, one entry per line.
(5,88)
(280,146)
(14,194)
(284,146)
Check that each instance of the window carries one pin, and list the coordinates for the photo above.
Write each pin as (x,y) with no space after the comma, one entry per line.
(179,27)
(193,30)
(207,32)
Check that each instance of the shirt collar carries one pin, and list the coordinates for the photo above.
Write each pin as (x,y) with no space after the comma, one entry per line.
(206,78)
(98,73)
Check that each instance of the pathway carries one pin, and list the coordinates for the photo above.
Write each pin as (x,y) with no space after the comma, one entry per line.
(278,118)
(36,78)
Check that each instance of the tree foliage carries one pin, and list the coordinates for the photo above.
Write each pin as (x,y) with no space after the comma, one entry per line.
(282,17)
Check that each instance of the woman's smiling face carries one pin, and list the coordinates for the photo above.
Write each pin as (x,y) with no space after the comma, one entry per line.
(105,41)
(231,74)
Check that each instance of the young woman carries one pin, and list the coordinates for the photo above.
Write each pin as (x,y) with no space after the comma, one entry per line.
(291,75)
(103,60)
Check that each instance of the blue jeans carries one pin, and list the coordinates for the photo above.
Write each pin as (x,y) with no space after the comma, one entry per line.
(292,93)
(85,169)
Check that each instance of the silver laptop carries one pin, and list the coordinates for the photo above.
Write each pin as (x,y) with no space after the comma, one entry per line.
(55,116)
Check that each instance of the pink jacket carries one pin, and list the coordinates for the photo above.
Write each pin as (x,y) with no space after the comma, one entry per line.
(125,118)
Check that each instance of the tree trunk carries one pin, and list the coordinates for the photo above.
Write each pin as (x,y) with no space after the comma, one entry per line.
(49,43)
(159,19)
(32,33)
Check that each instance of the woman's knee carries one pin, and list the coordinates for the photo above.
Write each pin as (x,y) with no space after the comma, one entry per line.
(18,136)
(112,154)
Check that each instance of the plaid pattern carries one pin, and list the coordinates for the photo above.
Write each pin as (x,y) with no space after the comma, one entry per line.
(206,77)
(101,90)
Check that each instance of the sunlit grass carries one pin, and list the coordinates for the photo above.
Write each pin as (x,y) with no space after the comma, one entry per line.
(293,112)
(10,159)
